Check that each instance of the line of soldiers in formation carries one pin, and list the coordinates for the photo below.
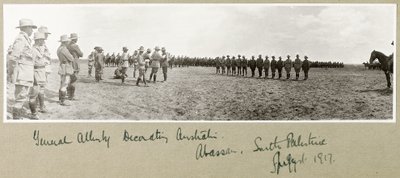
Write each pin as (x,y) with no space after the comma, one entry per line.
(28,67)
(238,66)
(140,61)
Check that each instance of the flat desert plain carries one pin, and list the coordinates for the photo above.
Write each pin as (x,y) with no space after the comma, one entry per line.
(197,93)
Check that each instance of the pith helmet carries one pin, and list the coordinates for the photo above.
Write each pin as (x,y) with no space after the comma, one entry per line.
(64,38)
(26,23)
(141,48)
(73,36)
(44,30)
(38,35)
(157,48)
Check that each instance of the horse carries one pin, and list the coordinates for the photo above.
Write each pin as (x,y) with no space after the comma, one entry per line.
(386,64)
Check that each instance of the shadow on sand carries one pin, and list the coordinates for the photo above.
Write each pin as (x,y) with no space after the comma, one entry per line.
(382,91)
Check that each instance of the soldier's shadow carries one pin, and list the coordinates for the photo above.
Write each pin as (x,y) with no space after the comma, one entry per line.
(127,83)
(49,95)
(381,91)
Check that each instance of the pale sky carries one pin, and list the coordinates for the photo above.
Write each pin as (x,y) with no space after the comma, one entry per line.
(345,33)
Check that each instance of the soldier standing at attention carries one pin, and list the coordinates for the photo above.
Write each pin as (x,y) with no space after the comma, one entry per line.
(306,67)
(239,65)
(288,66)
(22,55)
(142,67)
(98,63)
(228,63)
(244,65)
(91,62)
(273,66)
(125,63)
(155,63)
(233,65)
(39,61)
(65,70)
(297,66)
(164,62)
(135,63)
(279,66)
(46,33)
(266,66)
(76,53)
(259,65)
(217,65)
(223,65)
(252,65)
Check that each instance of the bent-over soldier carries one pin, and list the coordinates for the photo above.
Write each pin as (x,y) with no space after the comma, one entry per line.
(65,70)
(306,67)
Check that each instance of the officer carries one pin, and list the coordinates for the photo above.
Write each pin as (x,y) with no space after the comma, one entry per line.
(65,70)
(142,67)
(288,66)
(76,53)
(124,63)
(39,62)
(306,67)
(233,65)
(155,63)
(98,63)
(266,66)
(297,66)
(223,65)
(135,63)
(228,65)
(273,66)
(244,65)
(164,62)
(279,66)
(91,61)
(21,57)
(252,64)
(239,65)
(46,33)
(259,63)
(146,57)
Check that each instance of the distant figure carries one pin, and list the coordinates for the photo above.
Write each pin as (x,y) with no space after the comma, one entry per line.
(266,66)
(124,63)
(76,53)
(279,66)
(260,63)
(233,65)
(244,65)
(164,62)
(99,63)
(239,65)
(306,67)
(142,67)
(273,66)
(288,66)
(297,66)
(155,63)
(228,63)
(223,65)
(91,62)
(252,64)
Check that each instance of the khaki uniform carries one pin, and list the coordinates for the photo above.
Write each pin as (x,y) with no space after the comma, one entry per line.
(266,67)
(288,67)
(65,70)
(76,52)
(125,64)
(297,67)
(142,69)
(98,65)
(155,64)
(164,64)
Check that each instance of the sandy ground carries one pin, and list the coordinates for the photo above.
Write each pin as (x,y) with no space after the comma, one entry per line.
(197,93)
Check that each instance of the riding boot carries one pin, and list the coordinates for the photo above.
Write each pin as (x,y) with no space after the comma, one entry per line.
(123,78)
(279,75)
(41,103)
(137,81)
(151,76)
(297,76)
(59,95)
(72,93)
(63,99)
(273,75)
(155,78)
(287,76)
(32,107)
(165,77)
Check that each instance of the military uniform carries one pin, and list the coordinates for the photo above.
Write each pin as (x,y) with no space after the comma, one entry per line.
(244,66)
(76,53)
(223,65)
(297,66)
(279,66)
(155,63)
(142,67)
(288,66)
(21,58)
(259,63)
(91,62)
(239,65)
(135,63)
(266,66)
(273,66)
(164,63)
(252,64)
(228,63)
(65,69)
(233,65)
(306,67)
(217,65)
(124,63)
(98,63)
(146,57)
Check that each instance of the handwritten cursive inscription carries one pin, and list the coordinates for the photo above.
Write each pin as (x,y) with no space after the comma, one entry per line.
(202,152)
(157,135)
(88,136)
(49,142)
(290,162)
(197,135)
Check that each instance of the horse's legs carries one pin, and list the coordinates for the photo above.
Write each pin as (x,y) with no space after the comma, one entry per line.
(387,78)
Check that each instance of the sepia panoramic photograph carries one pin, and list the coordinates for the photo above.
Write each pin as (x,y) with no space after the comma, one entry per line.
(199,62)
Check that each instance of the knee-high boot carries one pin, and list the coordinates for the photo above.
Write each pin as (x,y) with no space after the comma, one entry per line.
(41,103)
(33,108)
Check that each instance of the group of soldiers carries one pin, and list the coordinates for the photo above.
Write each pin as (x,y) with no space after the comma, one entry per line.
(238,66)
(28,67)
(140,60)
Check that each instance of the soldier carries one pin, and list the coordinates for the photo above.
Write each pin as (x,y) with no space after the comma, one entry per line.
(65,70)
(306,67)
(252,64)
(244,65)
(217,65)
(228,65)
(91,62)
(266,66)
(273,66)
(279,66)
(259,63)
(239,65)
(46,33)
(76,53)
(141,67)
(164,62)
(11,66)
(124,63)
(171,62)
(21,56)
(135,63)
(98,63)
(233,65)
(155,63)
(112,60)
(288,66)
(146,57)
(223,65)
(39,62)
(297,66)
